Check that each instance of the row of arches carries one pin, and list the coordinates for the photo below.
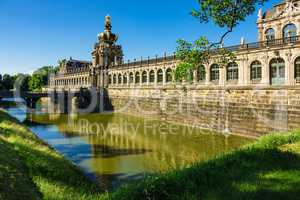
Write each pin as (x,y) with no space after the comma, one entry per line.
(276,71)
(72,81)
(288,31)
(142,77)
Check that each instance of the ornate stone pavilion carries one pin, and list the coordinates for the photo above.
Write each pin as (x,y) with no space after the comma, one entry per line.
(273,60)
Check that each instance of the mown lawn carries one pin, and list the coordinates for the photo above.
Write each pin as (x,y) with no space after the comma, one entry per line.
(266,169)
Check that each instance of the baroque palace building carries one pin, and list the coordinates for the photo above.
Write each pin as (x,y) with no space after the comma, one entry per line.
(273,60)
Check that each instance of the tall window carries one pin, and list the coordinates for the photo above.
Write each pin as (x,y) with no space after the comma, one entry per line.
(151,76)
(270,34)
(297,69)
(109,79)
(169,75)
(125,78)
(290,30)
(119,79)
(137,77)
(214,72)
(160,76)
(131,77)
(201,73)
(277,71)
(115,79)
(190,76)
(144,77)
(255,70)
(232,71)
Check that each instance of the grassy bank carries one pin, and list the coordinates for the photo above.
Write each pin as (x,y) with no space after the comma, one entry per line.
(267,169)
(29,169)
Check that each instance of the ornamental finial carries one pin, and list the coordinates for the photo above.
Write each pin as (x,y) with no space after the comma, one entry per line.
(107,23)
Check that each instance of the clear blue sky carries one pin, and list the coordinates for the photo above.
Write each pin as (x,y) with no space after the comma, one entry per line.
(35,33)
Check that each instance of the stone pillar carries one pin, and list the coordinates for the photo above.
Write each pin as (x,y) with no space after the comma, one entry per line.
(278,31)
(222,80)
(148,77)
(195,78)
(265,72)
(298,27)
(155,77)
(74,104)
(164,76)
(260,32)
(207,74)
(289,71)
(141,77)
(241,72)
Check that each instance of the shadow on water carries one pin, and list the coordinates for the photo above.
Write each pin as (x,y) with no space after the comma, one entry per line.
(106,151)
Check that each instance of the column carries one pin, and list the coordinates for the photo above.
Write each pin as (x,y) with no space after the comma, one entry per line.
(195,78)
(278,31)
(207,74)
(241,68)
(222,80)
(155,77)
(289,71)
(164,76)
(265,72)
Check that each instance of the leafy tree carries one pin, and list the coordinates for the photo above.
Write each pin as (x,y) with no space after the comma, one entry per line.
(22,82)
(39,78)
(1,86)
(36,82)
(226,14)
(8,82)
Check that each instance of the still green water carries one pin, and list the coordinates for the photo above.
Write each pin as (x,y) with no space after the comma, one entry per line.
(117,148)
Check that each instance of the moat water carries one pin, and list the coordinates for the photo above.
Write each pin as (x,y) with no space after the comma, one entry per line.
(115,148)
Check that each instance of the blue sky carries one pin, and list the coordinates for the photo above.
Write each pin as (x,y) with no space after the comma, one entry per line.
(35,33)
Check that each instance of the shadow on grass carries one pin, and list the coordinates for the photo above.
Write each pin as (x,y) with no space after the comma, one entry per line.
(249,174)
(15,182)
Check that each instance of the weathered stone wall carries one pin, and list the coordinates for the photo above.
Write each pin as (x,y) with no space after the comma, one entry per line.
(250,111)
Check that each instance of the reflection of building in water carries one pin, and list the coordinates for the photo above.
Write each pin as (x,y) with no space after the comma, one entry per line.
(273,60)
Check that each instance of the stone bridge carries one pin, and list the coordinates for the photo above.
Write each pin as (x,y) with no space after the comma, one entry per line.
(64,101)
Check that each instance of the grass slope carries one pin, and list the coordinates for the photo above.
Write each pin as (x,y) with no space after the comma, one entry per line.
(29,169)
(267,169)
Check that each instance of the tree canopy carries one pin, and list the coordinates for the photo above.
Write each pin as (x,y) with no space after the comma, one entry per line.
(226,14)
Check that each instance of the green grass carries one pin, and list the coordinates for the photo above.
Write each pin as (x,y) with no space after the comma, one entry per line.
(266,169)
(29,169)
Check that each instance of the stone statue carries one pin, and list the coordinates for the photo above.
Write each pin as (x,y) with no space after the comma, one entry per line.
(260,14)
(107,23)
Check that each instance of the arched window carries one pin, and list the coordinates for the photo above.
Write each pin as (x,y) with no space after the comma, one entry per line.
(189,76)
(119,79)
(131,77)
(201,73)
(144,77)
(214,72)
(115,79)
(125,78)
(137,77)
(290,33)
(297,69)
(151,76)
(277,71)
(160,76)
(169,75)
(255,70)
(232,71)
(270,34)
(290,30)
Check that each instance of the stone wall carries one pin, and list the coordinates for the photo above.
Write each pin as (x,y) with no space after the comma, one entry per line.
(249,111)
